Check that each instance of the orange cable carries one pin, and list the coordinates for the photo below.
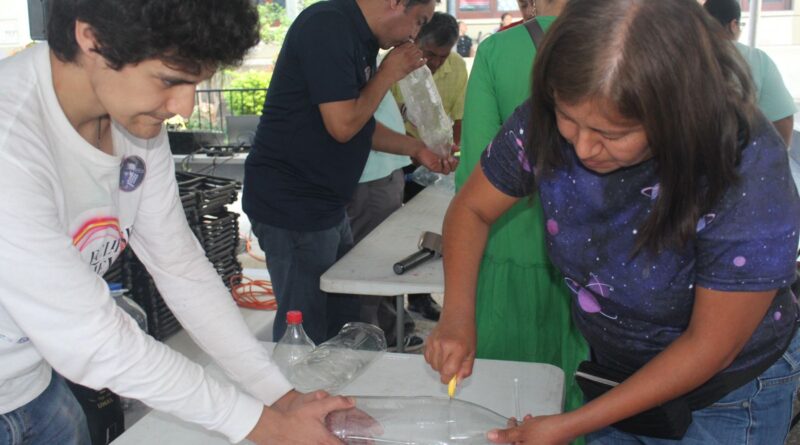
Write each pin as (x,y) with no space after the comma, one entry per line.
(253,294)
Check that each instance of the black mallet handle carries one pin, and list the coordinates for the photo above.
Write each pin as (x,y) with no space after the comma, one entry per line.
(413,260)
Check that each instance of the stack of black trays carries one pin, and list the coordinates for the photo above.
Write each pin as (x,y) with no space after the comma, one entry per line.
(217,228)
(116,273)
(161,323)
(205,200)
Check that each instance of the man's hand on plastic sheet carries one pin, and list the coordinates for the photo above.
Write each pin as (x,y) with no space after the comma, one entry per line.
(298,419)
(355,423)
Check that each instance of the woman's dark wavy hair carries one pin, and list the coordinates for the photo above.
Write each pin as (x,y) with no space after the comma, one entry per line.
(188,34)
(665,64)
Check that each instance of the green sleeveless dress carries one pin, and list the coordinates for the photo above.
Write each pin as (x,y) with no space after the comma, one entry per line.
(523,304)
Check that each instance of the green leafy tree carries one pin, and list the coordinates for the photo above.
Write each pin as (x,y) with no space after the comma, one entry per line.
(247,102)
(274,22)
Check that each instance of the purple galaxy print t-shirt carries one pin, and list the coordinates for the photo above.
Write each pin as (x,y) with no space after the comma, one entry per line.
(631,308)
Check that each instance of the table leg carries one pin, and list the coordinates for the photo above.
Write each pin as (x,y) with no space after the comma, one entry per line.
(399,327)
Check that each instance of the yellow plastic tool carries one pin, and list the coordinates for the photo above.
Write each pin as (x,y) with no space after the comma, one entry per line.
(451,387)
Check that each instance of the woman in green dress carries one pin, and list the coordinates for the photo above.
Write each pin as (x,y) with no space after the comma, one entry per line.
(522,308)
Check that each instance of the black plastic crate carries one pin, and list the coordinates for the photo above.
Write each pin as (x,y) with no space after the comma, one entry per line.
(191,207)
(204,199)
(115,272)
(214,192)
(161,322)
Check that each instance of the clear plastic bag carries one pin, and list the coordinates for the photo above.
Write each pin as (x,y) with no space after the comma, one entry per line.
(426,178)
(424,109)
(336,362)
(414,420)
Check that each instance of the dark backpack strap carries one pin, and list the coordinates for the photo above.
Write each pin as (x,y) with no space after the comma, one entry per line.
(536,32)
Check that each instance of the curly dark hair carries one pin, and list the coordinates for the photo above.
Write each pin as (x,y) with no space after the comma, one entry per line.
(190,35)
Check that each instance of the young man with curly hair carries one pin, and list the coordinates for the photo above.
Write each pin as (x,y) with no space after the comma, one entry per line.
(86,170)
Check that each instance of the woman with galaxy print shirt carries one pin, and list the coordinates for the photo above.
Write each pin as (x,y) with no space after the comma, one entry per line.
(671,212)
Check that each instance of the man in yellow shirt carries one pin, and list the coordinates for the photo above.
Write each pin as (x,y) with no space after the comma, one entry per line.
(436,40)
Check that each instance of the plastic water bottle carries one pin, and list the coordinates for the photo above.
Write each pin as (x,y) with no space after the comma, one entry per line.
(294,344)
(336,362)
(128,305)
(414,420)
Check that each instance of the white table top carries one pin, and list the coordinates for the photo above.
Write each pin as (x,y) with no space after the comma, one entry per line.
(492,384)
(367,268)
(202,158)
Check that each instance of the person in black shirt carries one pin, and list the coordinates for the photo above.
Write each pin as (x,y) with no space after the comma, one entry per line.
(313,139)
(464,43)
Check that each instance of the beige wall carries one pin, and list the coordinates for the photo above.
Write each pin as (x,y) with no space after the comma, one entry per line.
(774,27)
(14,33)
(778,35)
(777,27)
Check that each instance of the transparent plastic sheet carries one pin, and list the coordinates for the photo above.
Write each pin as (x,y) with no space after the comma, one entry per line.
(414,420)
(336,362)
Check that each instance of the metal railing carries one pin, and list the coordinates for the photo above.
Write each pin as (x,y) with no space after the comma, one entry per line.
(213,105)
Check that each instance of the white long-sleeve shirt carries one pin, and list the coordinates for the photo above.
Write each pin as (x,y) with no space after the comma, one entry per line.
(67,210)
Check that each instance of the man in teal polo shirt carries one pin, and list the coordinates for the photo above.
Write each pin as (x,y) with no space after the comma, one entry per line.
(378,195)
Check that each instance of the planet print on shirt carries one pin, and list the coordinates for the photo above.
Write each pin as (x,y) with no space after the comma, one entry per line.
(587,296)
(552,227)
(704,221)
(651,192)
(522,158)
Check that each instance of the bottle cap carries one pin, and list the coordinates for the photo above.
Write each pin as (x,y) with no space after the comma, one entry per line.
(294,317)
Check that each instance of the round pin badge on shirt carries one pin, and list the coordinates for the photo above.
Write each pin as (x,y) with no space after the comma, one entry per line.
(131,173)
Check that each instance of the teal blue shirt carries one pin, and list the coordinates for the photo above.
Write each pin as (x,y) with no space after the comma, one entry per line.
(774,99)
(379,164)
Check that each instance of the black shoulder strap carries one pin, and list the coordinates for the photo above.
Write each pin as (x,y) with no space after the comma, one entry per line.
(536,32)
